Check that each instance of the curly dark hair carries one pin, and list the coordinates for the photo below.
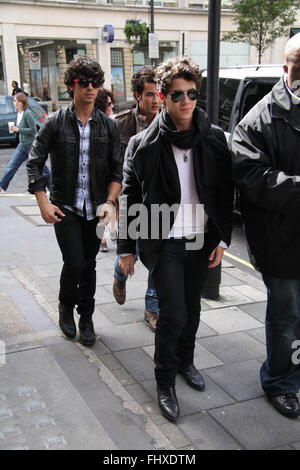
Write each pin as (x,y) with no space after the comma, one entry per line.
(177,67)
(84,67)
(144,74)
(101,100)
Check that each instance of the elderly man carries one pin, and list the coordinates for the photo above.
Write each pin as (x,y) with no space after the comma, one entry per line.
(266,168)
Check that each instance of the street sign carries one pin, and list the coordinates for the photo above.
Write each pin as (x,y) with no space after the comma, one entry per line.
(153,46)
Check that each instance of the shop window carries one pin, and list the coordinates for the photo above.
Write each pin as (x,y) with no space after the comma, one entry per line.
(117,74)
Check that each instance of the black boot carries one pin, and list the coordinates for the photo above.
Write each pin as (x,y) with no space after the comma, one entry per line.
(167,402)
(66,320)
(86,328)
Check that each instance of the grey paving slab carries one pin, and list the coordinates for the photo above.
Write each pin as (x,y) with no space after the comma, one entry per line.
(228,280)
(137,362)
(257,310)
(234,347)
(229,296)
(229,320)
(256,425)
(121,337)
(41,410)
(258,333)
(240,380)
(30,309)
(204,359)
(191,401)
(12,322)
(127,429)
(131,311)
(207,434)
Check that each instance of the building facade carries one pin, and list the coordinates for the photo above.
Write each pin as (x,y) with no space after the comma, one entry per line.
(39,38)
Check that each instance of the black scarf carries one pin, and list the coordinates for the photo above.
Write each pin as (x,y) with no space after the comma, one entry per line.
(186,139)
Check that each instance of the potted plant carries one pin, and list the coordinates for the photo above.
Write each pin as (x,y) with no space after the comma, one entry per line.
(136,29)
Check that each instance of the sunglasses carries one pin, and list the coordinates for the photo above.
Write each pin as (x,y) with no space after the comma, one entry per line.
(110,103)
(84,82)
(177,95)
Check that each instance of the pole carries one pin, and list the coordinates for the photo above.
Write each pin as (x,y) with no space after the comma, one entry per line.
(211,290)
(151,16)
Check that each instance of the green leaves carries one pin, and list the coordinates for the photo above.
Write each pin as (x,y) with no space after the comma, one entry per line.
(261,22)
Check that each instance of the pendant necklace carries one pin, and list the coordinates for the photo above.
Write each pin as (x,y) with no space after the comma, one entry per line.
(185,157)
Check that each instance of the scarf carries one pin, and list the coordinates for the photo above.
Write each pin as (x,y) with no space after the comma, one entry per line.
(185,139)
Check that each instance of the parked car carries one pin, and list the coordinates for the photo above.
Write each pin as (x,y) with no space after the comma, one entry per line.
(240,88)
(8,113)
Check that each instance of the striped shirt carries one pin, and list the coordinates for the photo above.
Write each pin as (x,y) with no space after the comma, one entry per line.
(83,205)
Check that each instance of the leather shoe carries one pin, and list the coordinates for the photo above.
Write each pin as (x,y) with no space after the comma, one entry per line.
(86,328)
(119,291)
(66,320)
(151,319)
(193,377)
(167,402)
(287,404)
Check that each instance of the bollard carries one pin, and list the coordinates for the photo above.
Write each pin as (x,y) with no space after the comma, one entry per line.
(212,285)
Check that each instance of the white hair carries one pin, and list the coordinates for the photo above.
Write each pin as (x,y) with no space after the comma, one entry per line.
(291,47)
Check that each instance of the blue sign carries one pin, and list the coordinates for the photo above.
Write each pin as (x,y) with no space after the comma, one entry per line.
(108,33)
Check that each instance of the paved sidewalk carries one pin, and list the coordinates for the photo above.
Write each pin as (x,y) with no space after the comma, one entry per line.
(57,394)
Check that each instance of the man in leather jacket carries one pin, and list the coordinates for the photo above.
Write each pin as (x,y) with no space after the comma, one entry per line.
(266,168)
(176,185)
(86,162)
(130,123)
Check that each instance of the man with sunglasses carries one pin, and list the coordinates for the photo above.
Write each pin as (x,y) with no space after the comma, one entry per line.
(86,162)
(181,165)
(130,123)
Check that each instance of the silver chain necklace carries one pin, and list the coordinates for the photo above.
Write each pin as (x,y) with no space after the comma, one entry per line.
(185,156)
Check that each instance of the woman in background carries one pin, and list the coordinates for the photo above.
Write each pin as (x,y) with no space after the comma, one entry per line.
(26,128)
(105,102)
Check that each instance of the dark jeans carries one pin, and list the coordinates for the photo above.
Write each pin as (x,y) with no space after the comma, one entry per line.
(151,302)
(179,278)
(79,245)
(278,373)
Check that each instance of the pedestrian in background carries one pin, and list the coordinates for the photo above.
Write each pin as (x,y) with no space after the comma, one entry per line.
(84,147)
(266,169)
(105,102)
(179,162)
(130,123)
(26,129)
(16,88)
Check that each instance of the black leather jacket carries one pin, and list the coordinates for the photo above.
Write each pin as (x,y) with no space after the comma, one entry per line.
(266,168)
(60,137)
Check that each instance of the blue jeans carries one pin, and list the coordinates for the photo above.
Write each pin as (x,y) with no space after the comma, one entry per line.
(151,301)
(280,373)
(19,157)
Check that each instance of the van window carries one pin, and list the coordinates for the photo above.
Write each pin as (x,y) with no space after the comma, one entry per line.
(227,92)
(6,105)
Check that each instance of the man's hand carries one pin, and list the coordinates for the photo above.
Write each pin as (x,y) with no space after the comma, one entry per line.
(215,257)
(51,213)
(126,263)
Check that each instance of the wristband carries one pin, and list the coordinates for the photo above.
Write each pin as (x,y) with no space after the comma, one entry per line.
(110,201)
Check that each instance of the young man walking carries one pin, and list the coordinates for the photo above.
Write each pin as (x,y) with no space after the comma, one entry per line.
(181,165)
(266,168)
(86,164)
(130,123)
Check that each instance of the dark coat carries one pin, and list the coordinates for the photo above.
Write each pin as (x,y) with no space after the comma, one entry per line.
(60,136)
(266,168)
(151,177)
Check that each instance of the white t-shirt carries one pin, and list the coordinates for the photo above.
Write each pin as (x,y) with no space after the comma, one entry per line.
(191,217)
(19,117)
